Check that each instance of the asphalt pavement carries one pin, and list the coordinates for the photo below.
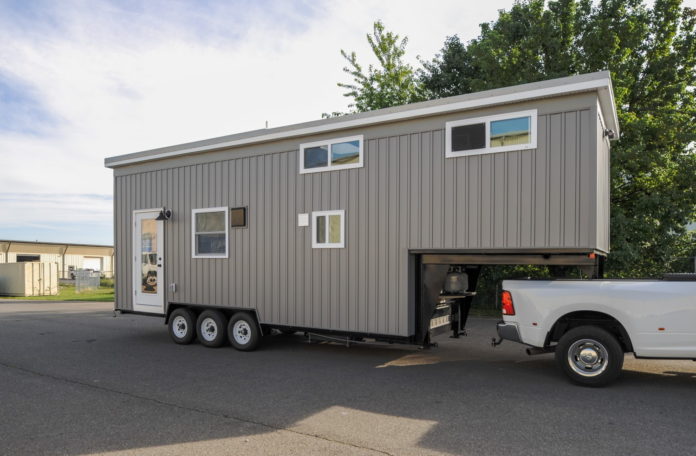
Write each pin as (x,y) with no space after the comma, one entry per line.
(75,380)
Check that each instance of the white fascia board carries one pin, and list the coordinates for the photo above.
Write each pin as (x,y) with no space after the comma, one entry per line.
(608,105)
(603,86)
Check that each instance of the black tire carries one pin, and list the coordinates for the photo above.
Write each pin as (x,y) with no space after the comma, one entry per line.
(182,326)
(243,332)
(603,359)
(212,328)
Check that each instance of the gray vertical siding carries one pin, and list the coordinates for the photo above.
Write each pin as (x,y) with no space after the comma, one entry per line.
(407,196)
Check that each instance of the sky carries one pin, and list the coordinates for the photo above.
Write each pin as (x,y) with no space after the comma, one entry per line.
(85,80)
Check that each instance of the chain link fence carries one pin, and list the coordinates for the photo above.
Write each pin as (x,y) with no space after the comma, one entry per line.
(86,280)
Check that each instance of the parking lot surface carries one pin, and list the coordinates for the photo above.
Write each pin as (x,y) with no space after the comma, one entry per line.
(75,380)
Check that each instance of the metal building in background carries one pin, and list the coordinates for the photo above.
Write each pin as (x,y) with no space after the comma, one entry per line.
(356,225)
(68,257)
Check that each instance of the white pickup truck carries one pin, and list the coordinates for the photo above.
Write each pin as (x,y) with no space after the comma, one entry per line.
(590,324)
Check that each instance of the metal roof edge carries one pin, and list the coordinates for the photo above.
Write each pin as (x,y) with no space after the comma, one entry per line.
(599,81)
(71,244)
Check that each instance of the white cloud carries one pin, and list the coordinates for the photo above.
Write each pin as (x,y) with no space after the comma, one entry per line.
(40,209)
(111,81)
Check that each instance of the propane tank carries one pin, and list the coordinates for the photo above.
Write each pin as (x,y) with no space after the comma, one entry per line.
(456,282)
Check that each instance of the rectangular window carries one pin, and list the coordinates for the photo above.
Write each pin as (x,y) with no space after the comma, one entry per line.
(328,229)
(210,232)
(330,155)
(499,133)
(510,131)
(28,258)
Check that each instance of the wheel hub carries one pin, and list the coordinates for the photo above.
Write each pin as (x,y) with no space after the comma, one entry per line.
(209,329)
(180,327)
(588,357)
(241,332)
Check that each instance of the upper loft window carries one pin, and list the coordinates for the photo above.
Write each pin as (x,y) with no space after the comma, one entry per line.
(210,232)
(330,155)
(499,133)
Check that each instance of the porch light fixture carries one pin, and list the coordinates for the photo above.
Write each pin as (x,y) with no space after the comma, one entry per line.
(165,214)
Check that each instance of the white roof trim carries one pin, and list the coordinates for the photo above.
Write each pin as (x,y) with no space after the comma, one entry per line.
(603,86)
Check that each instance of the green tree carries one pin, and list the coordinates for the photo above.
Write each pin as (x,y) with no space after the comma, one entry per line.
(392,83)
(652,56)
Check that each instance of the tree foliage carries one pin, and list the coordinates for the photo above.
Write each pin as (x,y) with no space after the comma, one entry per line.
(651,53)
(392,83)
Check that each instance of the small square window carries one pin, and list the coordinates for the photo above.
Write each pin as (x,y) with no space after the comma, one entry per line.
(238,217)
(328,229)
(209,233)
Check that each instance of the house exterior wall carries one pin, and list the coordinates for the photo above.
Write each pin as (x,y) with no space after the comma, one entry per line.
(8,258)
(407,196)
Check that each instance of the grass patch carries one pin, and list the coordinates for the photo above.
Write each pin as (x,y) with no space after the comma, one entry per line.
(68,293)
(485,312)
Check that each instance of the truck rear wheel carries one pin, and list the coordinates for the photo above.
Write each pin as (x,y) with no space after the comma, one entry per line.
(182,326)
(212,327)
(590,356)
(243,332)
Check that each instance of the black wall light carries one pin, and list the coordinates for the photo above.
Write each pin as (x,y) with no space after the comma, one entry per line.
(165,214)
(610,133)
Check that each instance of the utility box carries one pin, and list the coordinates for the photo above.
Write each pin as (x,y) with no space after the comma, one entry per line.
(28,279)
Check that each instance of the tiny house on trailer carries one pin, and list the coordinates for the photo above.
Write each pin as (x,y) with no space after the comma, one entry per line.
(371,225)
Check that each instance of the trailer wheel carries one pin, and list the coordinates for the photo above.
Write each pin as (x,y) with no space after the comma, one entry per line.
(243,332)
(182,326)
(590,356)
(212,327)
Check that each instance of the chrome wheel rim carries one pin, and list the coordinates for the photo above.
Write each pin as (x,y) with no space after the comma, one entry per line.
(209,329)
(180,327)
(588,357)
(241,331)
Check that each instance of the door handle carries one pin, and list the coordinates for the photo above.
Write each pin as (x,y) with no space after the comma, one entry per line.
(159,265)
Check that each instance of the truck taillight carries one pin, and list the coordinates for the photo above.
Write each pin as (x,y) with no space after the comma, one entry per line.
(507,305)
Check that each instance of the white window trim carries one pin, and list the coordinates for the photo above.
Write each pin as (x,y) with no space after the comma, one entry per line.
(227,232)
(532,114)
(327,245)
(329,166)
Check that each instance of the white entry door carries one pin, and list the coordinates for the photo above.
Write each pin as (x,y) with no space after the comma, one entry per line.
(148,262)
